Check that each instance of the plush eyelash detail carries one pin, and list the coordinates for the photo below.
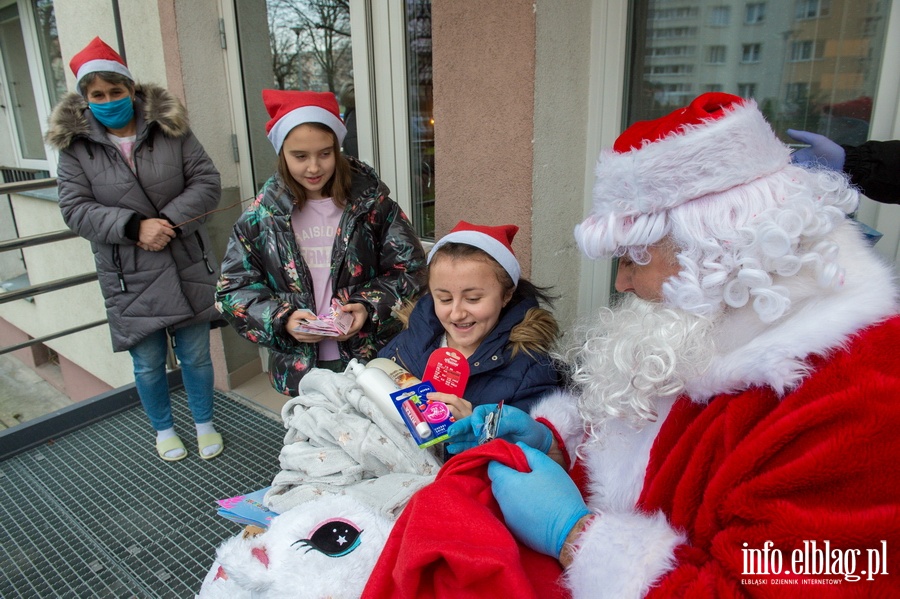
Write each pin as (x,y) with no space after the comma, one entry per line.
(334,538)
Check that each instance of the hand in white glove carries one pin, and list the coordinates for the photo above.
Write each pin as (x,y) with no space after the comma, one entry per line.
(821,151)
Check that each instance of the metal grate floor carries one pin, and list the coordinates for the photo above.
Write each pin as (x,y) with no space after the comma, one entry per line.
(97,514)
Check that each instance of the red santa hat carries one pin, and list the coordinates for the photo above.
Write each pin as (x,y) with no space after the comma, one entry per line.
(717,143)
(291,108)
(97,56)
(496,242)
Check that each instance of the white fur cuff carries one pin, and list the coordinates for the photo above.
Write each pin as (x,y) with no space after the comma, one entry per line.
(561,410)
(622,554)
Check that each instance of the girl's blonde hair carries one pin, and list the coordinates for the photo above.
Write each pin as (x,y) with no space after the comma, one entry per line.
(338,187)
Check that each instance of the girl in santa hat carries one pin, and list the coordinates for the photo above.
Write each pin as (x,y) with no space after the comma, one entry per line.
(135,181)
(479,305)
(322,228)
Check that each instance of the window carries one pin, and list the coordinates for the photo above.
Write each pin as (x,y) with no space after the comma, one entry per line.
(673,32)
(751,52)
(716,54)
(689,12)
(51,57)
(756,13)
(421,113)
(18,91)
(796,92)
(812,9)
(746,90)
(669,51)
(795,81)
(673,94)
(671,69)
(720,16)
(803,50)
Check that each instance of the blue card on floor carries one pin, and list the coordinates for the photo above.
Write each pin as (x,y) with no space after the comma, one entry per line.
(247,509)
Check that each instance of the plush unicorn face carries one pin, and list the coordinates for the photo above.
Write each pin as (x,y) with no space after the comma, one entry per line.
(323,548)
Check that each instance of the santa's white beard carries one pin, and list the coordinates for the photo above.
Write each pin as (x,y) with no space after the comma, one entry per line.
(630,356)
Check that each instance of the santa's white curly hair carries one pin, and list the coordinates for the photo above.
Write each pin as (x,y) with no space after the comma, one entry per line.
(714,180)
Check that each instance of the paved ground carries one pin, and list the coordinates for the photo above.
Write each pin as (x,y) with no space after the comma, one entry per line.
(24,395)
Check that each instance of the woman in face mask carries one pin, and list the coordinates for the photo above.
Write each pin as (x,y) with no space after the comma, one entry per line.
(135,182)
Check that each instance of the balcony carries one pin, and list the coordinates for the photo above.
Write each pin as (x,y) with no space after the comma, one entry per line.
(87,508)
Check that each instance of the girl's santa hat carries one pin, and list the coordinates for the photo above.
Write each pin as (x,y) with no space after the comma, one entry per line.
(97,56)
(717,143)
(291,108)
(496,242)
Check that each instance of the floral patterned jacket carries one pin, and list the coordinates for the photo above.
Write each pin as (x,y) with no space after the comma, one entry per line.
(376,261)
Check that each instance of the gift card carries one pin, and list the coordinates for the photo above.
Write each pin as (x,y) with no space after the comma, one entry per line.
(448,370)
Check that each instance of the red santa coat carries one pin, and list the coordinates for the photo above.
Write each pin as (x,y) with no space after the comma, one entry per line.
(683,501)
(788,441)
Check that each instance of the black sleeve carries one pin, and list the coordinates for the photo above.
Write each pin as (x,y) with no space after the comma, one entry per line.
(874,167)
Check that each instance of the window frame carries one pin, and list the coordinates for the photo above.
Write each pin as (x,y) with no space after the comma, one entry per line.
(39,89)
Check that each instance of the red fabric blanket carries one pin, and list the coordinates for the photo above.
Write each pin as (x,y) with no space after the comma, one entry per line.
(451,541)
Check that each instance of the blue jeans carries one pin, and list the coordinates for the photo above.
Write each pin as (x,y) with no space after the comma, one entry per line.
(192,351)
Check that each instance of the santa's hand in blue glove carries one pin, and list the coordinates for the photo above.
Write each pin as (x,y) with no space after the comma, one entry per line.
(515,426)
(540,507)
(821,151)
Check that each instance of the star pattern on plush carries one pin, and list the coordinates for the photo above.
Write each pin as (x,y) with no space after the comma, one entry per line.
(345,438)
(322,456)
(382,440)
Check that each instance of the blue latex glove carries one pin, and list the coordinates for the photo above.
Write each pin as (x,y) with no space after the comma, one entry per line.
(821,151)
(515,426)
(540,507)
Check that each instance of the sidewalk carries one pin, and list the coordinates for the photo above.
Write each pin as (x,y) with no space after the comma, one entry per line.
(24,395)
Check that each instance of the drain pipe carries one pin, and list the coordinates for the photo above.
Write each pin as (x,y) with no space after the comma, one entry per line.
(120,38)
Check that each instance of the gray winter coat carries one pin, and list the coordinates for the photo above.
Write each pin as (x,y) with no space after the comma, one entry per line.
(103,201)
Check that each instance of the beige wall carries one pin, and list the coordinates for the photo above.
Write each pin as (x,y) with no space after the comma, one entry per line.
(483,61)
(560,141)
(511,92)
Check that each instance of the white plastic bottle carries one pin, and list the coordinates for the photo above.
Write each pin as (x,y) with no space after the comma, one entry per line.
(377,386)
(401,376)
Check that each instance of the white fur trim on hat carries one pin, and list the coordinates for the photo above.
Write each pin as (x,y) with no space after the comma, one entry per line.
(633,190)
(486,243)
(305,114)
(95,66)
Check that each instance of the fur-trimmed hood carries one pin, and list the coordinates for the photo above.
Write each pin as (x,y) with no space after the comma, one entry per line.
(154,106)
(536,333)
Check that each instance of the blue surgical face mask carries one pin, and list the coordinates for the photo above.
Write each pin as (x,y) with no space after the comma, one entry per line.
(115,114)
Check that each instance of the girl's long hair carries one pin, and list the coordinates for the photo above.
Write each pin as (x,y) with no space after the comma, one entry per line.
(338,187)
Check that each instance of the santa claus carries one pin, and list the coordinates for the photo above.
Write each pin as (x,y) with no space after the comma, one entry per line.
(734,426)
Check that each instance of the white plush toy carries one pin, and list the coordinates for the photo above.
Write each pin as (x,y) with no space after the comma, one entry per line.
(322,548)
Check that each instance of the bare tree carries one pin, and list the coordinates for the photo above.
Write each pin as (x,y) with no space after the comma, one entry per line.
(284,52)
(321,31)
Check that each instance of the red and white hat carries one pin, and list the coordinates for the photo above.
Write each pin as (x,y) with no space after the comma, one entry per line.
(291,108)
(716,143)
(97,56)
(496,242)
